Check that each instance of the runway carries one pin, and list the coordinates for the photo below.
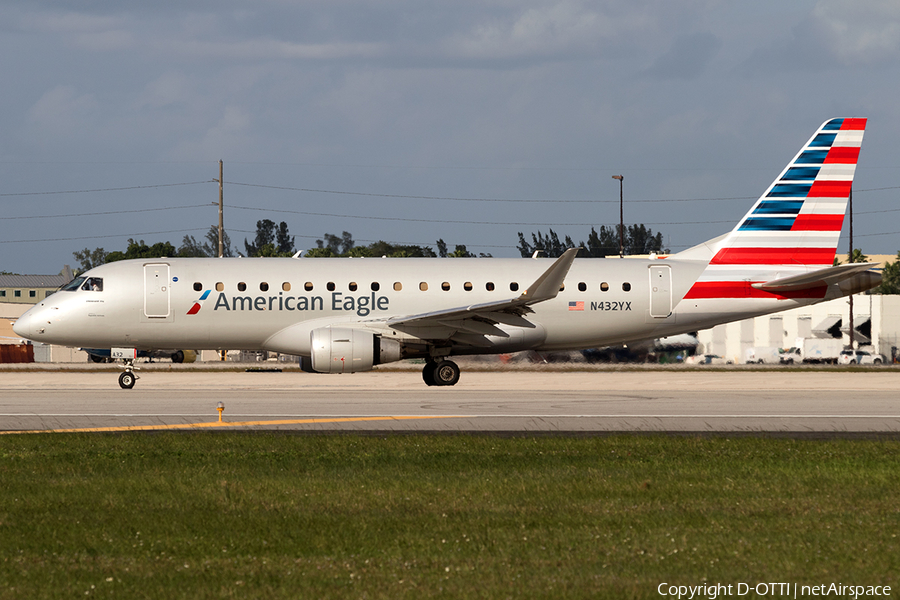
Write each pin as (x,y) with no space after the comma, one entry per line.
(771,401)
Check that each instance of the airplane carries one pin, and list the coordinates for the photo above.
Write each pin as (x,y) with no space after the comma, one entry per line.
(350,314)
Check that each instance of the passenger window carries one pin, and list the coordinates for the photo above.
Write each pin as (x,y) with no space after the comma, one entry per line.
(398,286)
(604,287)
(582,286)
(286,286)
(242,287)
(562,287)
(198,286)
(445,286)
(329,286)
(352,286)
(220,287)
(375,286)
(626,287)
(264,287)
(514,287)
(467,286)
(423,286)
(489,286)
(308,286)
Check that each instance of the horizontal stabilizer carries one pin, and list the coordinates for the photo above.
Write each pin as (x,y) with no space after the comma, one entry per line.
(816,279)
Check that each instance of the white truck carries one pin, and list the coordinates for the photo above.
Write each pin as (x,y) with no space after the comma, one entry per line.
(814,350)
(763,355)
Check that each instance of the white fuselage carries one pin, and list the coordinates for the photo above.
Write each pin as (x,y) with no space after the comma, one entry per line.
(274,303)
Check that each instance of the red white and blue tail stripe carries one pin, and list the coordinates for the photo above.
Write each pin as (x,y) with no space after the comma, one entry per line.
(795,224)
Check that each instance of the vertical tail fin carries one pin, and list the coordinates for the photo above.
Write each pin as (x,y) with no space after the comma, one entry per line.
(798,220)
(794,226)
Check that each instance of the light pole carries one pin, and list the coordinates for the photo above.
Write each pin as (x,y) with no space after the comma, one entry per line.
(621,218)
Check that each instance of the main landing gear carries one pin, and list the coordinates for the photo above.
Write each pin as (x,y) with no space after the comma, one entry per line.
(128,378)
(444,372)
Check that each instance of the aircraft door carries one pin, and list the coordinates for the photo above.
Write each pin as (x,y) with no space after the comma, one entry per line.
(660,291)
(156,290)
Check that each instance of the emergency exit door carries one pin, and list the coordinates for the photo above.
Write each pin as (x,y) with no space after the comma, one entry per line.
(156,290)
(660,291)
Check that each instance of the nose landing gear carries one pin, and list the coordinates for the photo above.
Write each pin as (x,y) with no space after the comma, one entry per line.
(128,378)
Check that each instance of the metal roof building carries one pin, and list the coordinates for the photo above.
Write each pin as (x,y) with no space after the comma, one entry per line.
(29,289)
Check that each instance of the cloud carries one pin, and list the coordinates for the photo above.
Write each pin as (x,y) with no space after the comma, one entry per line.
(687,58)
(860,32)
(834,34)
(61,112)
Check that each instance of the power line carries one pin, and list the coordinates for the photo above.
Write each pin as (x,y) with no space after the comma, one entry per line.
(460,199)
(99,237)
(118,189)
(109,212)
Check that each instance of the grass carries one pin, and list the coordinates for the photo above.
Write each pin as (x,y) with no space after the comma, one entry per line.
(264,515)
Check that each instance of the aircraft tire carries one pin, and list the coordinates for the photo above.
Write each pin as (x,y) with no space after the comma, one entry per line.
(127,380)
(446,372)
(428,373)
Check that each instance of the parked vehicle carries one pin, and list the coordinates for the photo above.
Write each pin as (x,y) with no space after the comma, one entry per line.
(819,350)
(791,356)
(763,355)
(706,359)
(861,357)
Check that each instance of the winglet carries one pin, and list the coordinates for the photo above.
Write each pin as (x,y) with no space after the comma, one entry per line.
(547,285)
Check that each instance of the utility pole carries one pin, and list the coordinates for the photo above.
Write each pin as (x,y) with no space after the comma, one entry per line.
(621,178)
(221,211)
(222,353)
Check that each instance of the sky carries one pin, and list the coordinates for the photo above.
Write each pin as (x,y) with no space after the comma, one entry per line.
(408,121)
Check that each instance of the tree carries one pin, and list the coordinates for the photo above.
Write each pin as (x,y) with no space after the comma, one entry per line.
(190,247)
(460,252)
(212,242)
(343,245)
(339,246)
(90,258)
(284,242)
(603,244)
(548,245)
(638,239)
(890,278)
(267,233)
(319,253)
(142,250)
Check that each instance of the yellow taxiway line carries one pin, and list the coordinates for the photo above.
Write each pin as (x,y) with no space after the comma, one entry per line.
(220,424)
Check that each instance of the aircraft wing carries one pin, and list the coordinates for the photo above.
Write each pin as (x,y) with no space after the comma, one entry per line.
(469,324)
(820,278)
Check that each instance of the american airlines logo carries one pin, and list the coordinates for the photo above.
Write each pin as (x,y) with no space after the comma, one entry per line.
(199,303)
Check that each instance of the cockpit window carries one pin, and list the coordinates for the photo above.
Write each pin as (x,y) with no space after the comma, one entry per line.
(93,284)
(73,285)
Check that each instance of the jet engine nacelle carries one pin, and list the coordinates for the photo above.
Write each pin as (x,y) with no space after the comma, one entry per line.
(343,350)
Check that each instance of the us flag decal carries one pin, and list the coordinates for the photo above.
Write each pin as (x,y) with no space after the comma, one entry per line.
(576,305)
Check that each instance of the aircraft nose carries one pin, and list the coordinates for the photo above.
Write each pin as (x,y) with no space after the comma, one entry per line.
(22,326)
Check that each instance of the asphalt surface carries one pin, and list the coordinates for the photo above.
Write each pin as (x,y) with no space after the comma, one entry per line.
(831,401)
